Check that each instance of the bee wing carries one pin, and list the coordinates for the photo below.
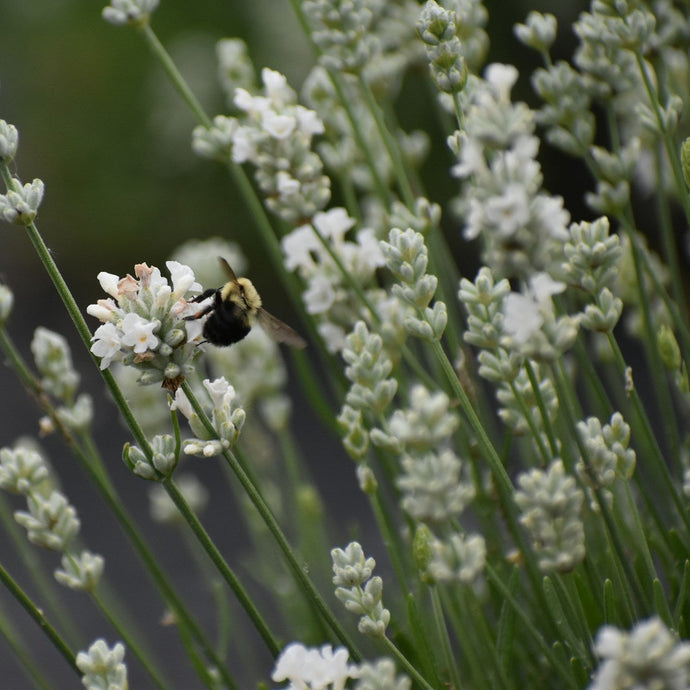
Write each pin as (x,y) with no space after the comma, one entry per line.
(227,268)
(279,331)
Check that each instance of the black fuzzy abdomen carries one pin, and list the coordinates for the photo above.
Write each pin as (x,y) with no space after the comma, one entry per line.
(227,324)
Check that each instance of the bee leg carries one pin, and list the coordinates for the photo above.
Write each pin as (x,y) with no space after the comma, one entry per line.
(205,310)
(204,295)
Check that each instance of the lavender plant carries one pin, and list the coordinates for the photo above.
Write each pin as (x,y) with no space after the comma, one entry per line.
(517,428)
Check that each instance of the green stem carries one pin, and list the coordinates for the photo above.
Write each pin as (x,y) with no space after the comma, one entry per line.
(442,633)
(222,566)
(93,467)
(272,524)
(131,643)
(407,665)
(37,614)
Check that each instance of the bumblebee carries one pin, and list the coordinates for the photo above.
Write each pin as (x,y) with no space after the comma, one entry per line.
(235,308)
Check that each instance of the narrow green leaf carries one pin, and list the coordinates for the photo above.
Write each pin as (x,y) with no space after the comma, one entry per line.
(427,660)
(505,635)
(682,594)
(610,616)
(661,603)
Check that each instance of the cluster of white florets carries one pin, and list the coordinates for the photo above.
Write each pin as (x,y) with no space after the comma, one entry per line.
(144,322)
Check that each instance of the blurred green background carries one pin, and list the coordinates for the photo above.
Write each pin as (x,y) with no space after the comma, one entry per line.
(101,127)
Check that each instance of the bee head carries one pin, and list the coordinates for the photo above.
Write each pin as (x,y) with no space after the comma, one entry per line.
(249,294)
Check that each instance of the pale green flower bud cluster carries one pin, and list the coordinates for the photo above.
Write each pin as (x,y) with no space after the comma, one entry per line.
(437,29)
(20,204)
(538,31)
(519,402)
(424,215)
(483,300)
(235,68)
(9,140)
(457,558)
(369,368)
(431,486)
(145,325)
(59,378)
(274,133)
(129,12)
(649,656)
(592,256)
(566,111)
(22,470)
(162,508)
(614,172)
(381,675)
(341,29)
(372,388)
(227,419)
(669,351)
(608,454)
(550,503)
(358,590)
(82,572)
(406,256)
(6,303)
(50,520)
(424,426)
(103,667)
(160,464)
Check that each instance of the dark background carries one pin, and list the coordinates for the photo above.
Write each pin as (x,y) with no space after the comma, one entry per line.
(101,127)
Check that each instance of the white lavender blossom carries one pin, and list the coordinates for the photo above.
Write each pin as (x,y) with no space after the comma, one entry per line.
(530,325)
(521,227)
(103,667)
(381,675)
(51,522)
(327,295)
(20,204)
(227,419)
(82,572)
(162,462)
(550,503)
(341,31)
(144,323)
(274,133)
(650,656)
(459,558)
(311,668)
(358,591)
(129,12)
(9,140)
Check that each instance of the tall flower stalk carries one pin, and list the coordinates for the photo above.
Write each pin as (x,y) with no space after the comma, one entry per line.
(527,477)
